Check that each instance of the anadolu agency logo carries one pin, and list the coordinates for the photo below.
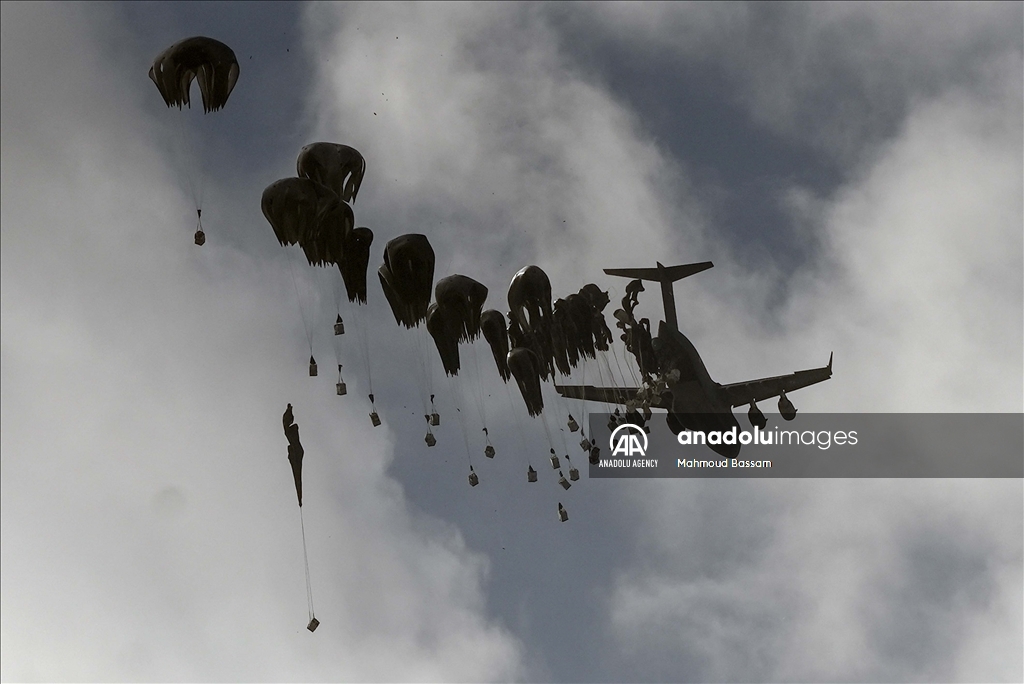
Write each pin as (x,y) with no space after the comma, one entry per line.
(628,440)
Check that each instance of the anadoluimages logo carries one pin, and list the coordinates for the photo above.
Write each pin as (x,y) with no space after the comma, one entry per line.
(628,440)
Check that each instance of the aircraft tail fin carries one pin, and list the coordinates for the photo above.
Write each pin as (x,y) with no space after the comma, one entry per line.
(661,274)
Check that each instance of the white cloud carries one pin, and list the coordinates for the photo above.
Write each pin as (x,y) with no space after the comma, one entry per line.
(918,290)
(480,133)
(836,76)
(148,520)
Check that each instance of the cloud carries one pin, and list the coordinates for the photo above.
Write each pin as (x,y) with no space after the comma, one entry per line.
(149,530)
(840,77)
(917,287)
(478,129)
(147,510)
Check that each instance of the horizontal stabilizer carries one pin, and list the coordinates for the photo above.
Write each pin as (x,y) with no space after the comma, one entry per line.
(662,273)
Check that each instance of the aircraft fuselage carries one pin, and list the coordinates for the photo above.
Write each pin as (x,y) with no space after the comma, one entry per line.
(697,402)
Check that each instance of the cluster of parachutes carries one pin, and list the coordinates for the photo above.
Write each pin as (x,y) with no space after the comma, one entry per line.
(313,210)
(546,338)
(636,335)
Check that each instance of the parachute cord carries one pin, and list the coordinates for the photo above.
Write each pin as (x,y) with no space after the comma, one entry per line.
(423,341)
(458,398)
(364,337)
(302,313)
(563,409)
(193,174)
(477,386)
(631,364)
(547,429)
(520,430)
(614,382)
(336,291)
(305,559)
(336,341)
(583,403)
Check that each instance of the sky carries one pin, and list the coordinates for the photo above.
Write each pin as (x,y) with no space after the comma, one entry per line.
(854,171)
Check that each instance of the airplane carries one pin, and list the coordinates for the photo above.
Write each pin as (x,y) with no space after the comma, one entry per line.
(693,400)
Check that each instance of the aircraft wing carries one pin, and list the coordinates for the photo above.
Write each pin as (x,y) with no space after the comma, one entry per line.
(607,395)
(742,393)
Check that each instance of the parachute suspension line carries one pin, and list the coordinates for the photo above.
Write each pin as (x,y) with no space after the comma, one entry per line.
(547,430)
(193,172)
(476,382)
(336,288)
(520,430)
(337,308)
(423,361)
(423,341)
(457,398)
(563,409)
(305,325)
(305,560)
(629,361)
(583,404)
(365,339)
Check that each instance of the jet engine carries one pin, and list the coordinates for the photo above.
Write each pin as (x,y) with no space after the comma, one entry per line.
(757,418)
(786,407)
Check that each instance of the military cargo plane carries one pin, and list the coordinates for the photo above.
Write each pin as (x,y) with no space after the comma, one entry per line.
(693,400)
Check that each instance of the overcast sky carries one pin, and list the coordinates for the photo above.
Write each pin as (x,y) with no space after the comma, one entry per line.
(855,172)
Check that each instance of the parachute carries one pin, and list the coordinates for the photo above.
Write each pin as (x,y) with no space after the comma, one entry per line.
(214,65)
(353,267)
(443,327)
(295,450)
(464,297)
(308,214)
(335,166)
(598,300)
(578,329)
(492,324)
(455,317)
(295,454)
(209,61)
(529,301)
(407,276)
(526,368)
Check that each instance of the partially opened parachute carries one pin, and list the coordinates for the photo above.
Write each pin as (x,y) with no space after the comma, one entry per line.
(455,317)
(576,331)
(295,450)
(357,258)
(295,454)
(443,327)
(338,167)
(529,301)
(526,368)
(464,297)
(308,214)
(492,324)
(209,61)
(407,277)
